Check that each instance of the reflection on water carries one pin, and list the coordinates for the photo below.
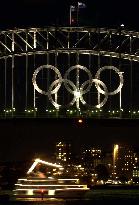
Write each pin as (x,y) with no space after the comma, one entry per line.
(50,201)
(93,197)
(45,202)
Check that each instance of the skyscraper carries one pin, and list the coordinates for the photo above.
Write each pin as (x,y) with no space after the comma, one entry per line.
(91,158)
(123,162)
(63,152)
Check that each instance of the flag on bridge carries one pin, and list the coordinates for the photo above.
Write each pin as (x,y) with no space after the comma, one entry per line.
(81,5)
(72,8)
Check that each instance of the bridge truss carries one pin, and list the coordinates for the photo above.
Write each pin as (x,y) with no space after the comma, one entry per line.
(76,51)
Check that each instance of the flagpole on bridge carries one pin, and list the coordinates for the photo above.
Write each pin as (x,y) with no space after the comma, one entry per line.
(80,5)
(72,8)
(78,14)
(70,15)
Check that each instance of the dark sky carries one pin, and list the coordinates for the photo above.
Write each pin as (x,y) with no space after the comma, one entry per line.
(15,13)
(24,139)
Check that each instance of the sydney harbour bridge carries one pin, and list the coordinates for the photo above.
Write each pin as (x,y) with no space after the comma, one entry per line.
(69,72)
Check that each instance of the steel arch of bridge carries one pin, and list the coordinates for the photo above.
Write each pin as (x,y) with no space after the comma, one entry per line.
(119,44)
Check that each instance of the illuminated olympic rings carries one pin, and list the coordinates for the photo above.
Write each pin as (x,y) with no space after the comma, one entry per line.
(77,90)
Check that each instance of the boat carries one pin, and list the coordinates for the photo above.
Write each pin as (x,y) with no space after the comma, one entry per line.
(47,187)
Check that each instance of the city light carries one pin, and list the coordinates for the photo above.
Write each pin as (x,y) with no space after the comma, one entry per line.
(77,94)
(43,162)
(80,121)
(115,152)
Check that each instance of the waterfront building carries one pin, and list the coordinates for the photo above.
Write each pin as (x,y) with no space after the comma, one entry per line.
(136,170)
(91,158)
(63,152)
(123,162)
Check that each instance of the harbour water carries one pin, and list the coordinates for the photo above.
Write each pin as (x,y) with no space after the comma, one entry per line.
(93,197)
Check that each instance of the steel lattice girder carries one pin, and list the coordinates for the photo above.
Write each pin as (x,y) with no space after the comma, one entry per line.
(96,41)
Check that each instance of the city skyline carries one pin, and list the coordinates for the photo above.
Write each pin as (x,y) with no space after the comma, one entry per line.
(121,164)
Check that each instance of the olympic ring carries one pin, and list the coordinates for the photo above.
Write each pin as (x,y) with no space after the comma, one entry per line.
(56,105)
(96,81)
(97,76)
(47,67)
(78,67)
(78,90)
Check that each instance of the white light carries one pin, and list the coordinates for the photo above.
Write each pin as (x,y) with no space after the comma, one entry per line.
(32,167)
(30,192)
(68,179)
(77,94)
(35,180)
(43,162)
(51,185)
(122,25)
(51,192)
(77,188)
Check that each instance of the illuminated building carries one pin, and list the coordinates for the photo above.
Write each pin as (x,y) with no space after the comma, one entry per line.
(38,186)
(115,159)
(63,152)
(123,162)
(91,158)
(136,170)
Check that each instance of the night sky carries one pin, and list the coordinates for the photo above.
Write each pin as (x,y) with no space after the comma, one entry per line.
(25,13)
(25,138)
